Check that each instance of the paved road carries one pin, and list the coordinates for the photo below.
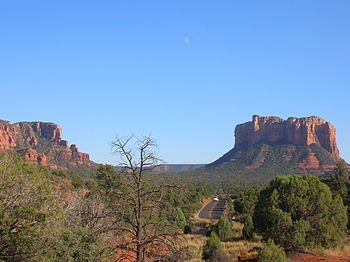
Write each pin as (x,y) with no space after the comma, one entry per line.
(213,210)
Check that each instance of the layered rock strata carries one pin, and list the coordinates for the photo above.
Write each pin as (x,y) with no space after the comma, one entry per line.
(296,131)
(41,143)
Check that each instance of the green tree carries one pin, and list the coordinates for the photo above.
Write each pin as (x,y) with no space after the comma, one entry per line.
(230,207)
(178,218)
(339,184)
(30,218)
(187,229)
(246,202)
(184,196)
(224,228)
(78,245)
(110,182)
(299,211)
(213,243)
(248,229)
(340,180)
(272,253)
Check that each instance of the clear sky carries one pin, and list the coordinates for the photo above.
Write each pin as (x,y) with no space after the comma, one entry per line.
(185,72)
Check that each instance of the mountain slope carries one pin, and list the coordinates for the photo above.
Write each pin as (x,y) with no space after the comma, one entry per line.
(175,168)
(262,162)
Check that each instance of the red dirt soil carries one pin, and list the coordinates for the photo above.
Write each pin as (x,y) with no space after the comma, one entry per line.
(303,257)
(299,257)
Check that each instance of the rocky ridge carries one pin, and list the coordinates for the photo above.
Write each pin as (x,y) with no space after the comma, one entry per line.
(41,143)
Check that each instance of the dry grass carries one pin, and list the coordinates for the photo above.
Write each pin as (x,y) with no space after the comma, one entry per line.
(197,239)
(237,229)
(195,246)
(235,247)
(200,225)
(242,248)
(197,220)
(343,250)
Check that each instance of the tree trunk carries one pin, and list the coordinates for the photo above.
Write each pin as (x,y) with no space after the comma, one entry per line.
(139,250)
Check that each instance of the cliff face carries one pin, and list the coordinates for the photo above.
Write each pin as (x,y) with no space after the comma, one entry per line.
(41,143)
(297,131)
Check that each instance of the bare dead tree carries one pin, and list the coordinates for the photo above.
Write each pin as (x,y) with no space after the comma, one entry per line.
(148,234)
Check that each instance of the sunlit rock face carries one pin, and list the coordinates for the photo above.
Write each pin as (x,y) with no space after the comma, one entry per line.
(41,143)
(296,131)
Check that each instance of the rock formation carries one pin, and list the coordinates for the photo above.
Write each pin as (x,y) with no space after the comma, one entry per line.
(270,146)
(42,144)
(296,131)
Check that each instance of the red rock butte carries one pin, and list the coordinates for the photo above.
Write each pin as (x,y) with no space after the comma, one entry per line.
(296,131)
(40,143)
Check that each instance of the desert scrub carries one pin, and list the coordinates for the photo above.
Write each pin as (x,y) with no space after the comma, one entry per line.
(272,253)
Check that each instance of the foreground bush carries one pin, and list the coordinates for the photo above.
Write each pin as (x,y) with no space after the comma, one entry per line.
(90,230)
(272,253)
(248,229)
(224,228)
(213,244)
(299,212)
(178,218)
(29,215)
(220,256)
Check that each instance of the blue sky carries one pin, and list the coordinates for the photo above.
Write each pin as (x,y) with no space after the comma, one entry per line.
(185,72)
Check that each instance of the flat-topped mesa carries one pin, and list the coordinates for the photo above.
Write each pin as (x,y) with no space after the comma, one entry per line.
(296,131)
(40,143)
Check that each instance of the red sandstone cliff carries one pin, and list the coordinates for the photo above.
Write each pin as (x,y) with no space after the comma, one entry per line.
(41,143)
(296,131)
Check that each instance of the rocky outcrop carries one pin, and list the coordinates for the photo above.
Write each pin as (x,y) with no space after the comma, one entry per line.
(26,134)
(296,131)
(33,156)
(41,143)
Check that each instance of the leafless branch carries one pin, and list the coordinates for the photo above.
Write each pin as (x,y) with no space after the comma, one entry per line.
(141,208)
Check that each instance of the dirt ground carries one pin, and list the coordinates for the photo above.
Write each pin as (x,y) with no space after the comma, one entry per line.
(304,257)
